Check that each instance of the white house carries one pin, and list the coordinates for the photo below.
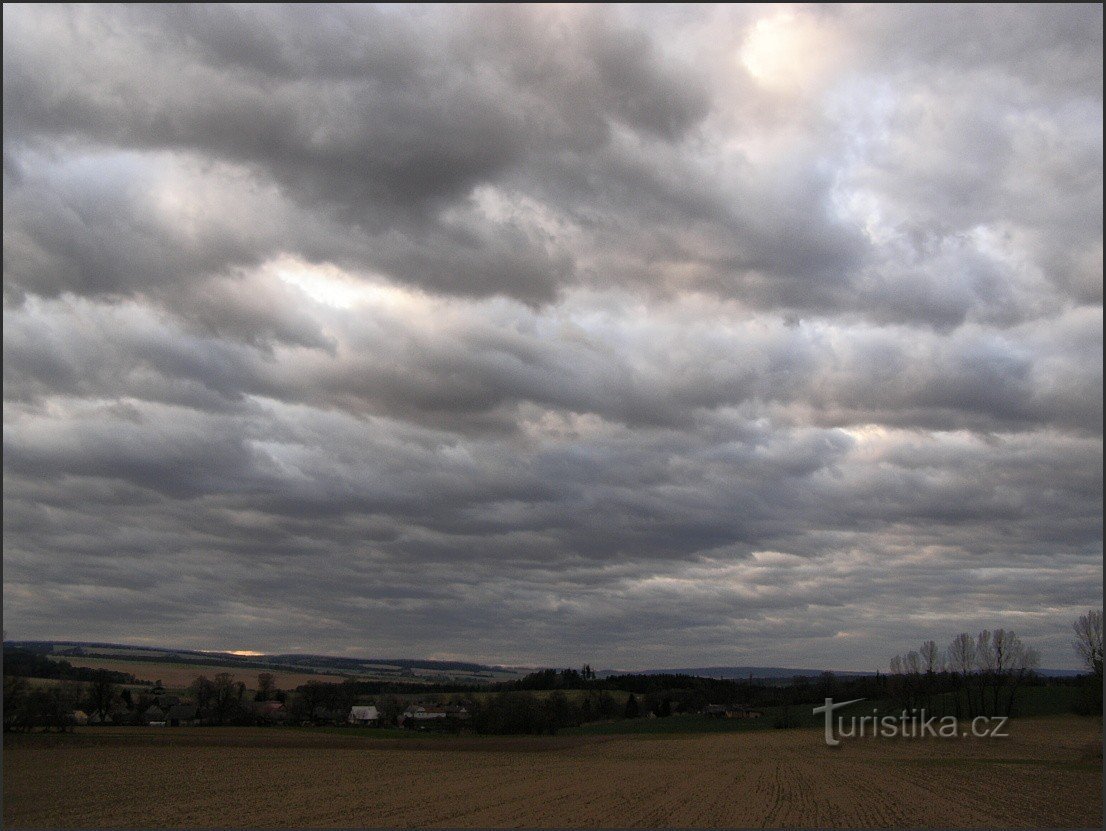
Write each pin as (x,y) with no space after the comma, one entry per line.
(419,716)
(364,715)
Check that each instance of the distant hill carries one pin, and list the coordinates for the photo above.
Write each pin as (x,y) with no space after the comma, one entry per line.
(733,673)
(778,673)
(405,669)
(399,669)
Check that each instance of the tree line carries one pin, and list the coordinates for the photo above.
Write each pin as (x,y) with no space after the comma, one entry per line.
(28,664)
(37,707)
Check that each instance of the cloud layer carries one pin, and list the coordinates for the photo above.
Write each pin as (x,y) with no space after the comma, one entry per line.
(632,335)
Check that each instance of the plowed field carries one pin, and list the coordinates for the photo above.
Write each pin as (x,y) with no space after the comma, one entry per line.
(1048,773)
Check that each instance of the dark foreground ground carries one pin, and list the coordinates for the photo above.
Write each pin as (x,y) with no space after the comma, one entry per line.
(1047,774)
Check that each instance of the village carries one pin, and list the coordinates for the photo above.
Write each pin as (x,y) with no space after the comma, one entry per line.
(166,709)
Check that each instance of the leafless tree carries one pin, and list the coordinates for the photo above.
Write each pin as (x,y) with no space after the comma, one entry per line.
(1088,640)
(266,683)
(932,659)
(961,658)
(1024,661)
(984,653)
(985,662)
(102,695)
(203,690)
(1004,646)
(896,683)
(913,663)
(913,680)
(932,662)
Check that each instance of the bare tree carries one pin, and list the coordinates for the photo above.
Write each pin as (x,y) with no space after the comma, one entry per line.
(226,698)
(985,661)
(203,690)
(961,657)
(1004,648)
(913,663)
(932,659)
(1088,640)
(102,695)
(1024,661)
(266,683)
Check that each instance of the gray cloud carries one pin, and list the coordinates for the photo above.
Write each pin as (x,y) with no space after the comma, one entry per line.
(627,335)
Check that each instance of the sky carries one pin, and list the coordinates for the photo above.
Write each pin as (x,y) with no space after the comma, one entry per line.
(638,336)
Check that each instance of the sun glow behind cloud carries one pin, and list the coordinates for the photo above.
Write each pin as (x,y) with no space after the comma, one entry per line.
(789,51)
(335,288)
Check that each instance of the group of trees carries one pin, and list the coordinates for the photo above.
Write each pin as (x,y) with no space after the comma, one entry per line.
(524,712)
(1088,646)
(28,664)
(981,675)
(221,700)
(51,707)
(39,708)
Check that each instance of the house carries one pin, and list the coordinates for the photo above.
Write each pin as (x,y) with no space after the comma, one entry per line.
(423,717)
(730,711)
(153,713)
(364,716)
(183,715)
(79,717)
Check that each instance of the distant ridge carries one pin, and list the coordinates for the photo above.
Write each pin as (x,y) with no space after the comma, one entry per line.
(307,661)
(734,673)
(331,663)
(738,673)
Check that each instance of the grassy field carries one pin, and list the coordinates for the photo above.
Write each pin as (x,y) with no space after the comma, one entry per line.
(1047,773)
(177,676)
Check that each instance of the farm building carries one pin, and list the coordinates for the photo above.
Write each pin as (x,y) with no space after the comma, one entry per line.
(364,716)
(730,711)
(152,714)
(420,717)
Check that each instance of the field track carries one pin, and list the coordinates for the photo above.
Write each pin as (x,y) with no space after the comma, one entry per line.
(1046,774)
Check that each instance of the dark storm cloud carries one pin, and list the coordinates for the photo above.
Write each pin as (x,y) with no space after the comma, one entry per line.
(624,335)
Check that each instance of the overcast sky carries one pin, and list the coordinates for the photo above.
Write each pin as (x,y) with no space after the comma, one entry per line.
(660,336)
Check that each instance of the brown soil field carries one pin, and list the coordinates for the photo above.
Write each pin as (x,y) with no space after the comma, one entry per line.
(179,675)
(1048,773)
